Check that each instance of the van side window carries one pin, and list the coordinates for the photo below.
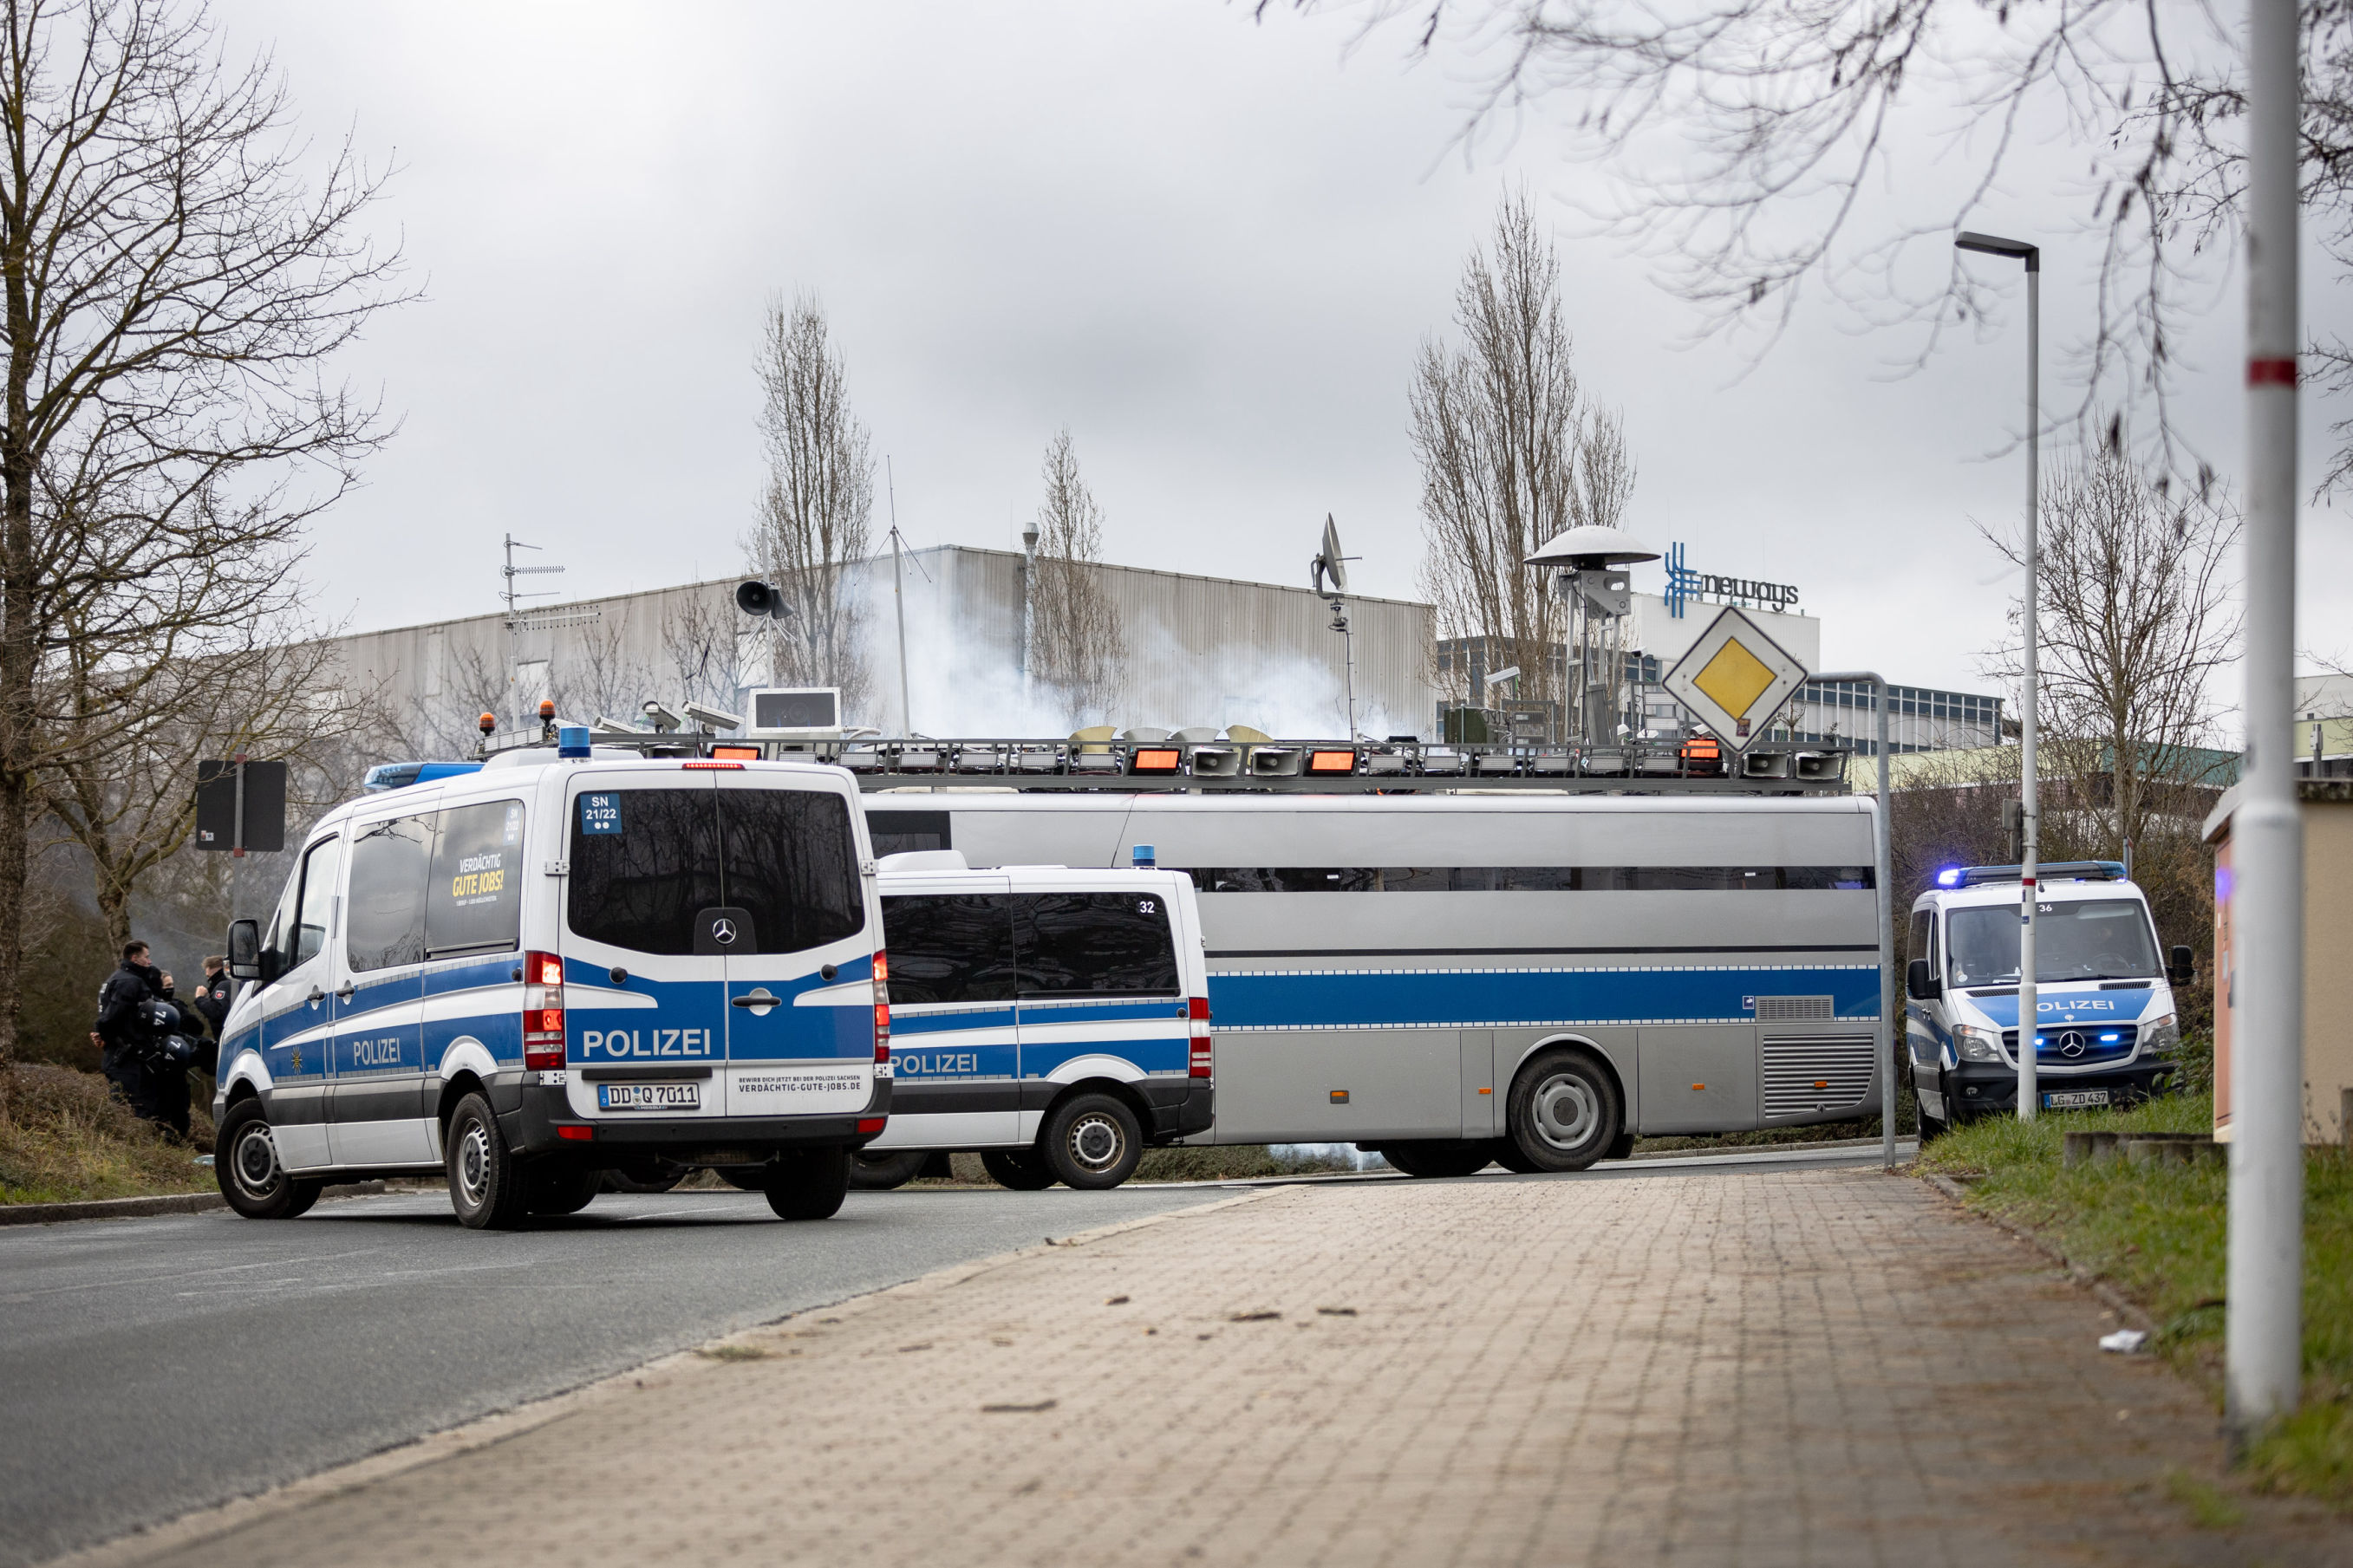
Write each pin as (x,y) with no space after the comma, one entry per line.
(1922,920)
(388,918)
(791,861)
(319,869)
(1076,943)
(949,947)
(473,900)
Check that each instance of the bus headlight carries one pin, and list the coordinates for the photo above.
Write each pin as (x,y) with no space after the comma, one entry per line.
(1977,1044)
(2162,1038)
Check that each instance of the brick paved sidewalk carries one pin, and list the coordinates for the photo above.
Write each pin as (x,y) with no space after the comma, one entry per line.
(1817,1367)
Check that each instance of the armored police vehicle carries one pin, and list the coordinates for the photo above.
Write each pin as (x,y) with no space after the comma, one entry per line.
(2107,1032)
(1055,1021)
(556,963)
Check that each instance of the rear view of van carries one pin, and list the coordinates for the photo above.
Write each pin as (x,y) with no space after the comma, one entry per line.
(1054,1021)
(556,968)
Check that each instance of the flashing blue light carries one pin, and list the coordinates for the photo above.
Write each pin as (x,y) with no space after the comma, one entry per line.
(1950,876)
(571,741)
(2110,1038)
(1143,857)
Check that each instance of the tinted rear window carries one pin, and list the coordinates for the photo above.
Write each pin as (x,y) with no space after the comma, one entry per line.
(949,947)
(389,864)
(474,902)
(645,861)
(1079,943)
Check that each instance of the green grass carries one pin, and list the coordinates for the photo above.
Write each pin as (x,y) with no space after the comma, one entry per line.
(66,1140)
(2157,1233)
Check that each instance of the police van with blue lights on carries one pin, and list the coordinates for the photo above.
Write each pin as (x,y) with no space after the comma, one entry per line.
(560,964)
(1054,1021)
(2108,1032)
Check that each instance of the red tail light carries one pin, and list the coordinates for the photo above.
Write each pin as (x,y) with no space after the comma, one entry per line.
(542,1011)
(881,1007)
(1196,1008)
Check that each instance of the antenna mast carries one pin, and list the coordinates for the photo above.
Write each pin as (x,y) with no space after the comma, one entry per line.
(1332,564)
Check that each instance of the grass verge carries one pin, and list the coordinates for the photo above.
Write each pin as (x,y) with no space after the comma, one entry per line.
(2157,1233)
(65,1140)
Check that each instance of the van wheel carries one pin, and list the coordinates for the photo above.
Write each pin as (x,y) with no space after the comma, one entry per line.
(559,1190)
(1564,1112)
(486,1187)
(881,1172)
(1091,1142)
(1019,1169)
(808,1184)
(245,1163)
(651,1176)
(1439,1156)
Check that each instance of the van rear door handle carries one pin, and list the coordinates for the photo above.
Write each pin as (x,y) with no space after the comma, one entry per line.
(756,999)
(344,990)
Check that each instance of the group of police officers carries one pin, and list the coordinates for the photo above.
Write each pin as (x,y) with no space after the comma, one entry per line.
(149,1039)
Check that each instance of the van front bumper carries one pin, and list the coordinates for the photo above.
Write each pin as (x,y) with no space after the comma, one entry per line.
(535,1127)
(1981,1089)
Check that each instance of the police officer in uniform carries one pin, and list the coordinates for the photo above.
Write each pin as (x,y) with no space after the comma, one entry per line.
(124,1027)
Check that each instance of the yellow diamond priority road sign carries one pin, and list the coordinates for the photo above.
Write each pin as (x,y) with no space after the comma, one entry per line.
(1734,678)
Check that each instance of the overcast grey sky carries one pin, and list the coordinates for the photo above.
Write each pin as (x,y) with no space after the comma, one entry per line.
(1209,247)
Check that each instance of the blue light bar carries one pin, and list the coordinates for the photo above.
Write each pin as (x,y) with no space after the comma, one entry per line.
(1950,876)
(400,776)
(1143,857)
(2052,872)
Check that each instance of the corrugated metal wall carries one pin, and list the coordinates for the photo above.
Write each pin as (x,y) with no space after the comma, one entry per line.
(1201,650)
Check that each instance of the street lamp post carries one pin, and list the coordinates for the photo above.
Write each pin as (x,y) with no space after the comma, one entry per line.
(2030,1013)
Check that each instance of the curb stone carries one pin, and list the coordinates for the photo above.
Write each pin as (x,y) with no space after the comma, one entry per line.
(139,1208)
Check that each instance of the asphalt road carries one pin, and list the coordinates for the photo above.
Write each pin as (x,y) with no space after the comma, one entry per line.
(152,1366)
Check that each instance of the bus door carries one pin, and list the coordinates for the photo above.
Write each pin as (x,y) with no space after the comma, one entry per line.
(644,980)
(798,957)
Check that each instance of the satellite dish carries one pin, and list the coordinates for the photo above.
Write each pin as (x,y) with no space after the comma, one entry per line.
(1584,549)
(1331,564)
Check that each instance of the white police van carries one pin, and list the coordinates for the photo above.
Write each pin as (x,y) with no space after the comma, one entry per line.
(2109,1033)
(556,964)
(1055,1021)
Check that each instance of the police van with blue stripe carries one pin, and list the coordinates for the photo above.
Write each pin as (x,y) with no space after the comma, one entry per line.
(1458,979)
(2107,1029)
(557,964)
(1054,1020)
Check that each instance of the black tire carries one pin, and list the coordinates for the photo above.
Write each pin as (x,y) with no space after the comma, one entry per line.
(1439,1157)
(1019,1169)
(245,1165)
(1931,1127)
(881,1172)
(488,1185)
(1622,1149)
(649,1177)
(1506,1153)
(808,1184)
(1564,1112)
(1092,1142)
(553,1189)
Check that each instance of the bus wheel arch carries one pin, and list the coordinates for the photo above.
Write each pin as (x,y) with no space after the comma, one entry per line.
(1566,1105)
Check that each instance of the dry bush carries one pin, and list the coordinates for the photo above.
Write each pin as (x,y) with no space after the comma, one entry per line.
(68,1138)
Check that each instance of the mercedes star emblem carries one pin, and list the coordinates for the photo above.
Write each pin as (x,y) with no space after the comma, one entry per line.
(2071,1043)
(723,931)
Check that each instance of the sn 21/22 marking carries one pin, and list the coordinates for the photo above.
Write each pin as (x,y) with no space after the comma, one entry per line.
(637,1043)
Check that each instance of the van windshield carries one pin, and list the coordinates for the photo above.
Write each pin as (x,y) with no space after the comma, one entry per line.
(2090,939)
(645,862)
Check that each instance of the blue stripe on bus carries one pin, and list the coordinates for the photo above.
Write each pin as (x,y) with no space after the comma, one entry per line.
(1363,999)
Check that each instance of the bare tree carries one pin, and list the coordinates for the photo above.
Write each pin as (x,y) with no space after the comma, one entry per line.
(814,511)
(2135,624)
(602,677)
(704,642)
(170,287)
(1509,453)
(1753,146)
(1077,649)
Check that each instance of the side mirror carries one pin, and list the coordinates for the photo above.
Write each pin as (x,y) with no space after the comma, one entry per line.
(245,950)
(2181,966)
(1919,983)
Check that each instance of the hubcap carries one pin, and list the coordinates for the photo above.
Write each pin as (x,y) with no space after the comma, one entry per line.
(474,1163)
(1095,1142)
(1566,1112)
(253,1160)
